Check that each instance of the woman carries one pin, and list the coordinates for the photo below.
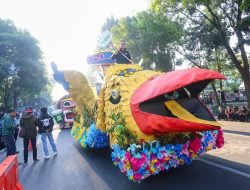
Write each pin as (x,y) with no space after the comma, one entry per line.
(229,112)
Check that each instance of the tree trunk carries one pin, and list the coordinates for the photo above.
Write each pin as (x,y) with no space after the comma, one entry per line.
(215,93)
(220,82)
(247,88)
(15,101)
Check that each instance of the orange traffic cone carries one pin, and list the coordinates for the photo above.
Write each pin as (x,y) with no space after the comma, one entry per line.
(30,146)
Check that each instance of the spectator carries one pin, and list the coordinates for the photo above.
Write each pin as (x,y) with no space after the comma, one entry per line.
(221,114)
(210,98)
(243,114)
(99,78)
(121,55)
(17,125)
(223,97)
(236,95)
(45,124)
(229,112)
(235,116)
(29,123)
(2,146)
(8,131)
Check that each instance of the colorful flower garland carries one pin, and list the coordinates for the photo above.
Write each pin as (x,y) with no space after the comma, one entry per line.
(90,136)
(141,161)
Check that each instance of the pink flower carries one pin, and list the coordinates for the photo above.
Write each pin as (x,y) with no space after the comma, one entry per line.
(127,156)
(195,144)
(220,139)
(137,163)
(137,176)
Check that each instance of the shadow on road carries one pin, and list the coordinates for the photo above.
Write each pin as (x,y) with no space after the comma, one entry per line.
(75,168)
(236,132)
(234,165)
(196,176)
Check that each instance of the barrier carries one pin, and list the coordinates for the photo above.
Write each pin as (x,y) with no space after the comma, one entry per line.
(9,174)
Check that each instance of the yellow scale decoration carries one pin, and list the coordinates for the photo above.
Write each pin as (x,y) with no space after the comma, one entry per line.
(125,85)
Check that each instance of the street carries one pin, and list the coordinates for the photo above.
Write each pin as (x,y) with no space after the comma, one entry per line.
(75,168)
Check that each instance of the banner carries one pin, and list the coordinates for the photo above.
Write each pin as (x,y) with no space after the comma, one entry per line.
(100,58)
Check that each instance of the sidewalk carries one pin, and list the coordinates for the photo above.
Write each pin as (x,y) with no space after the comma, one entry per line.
(237,142)
(236,126)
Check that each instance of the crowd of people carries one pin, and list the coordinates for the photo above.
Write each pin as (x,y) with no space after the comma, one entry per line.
(26,126)
(230,96)
(234,113)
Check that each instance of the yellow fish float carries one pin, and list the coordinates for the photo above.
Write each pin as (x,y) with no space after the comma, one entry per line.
(152,121)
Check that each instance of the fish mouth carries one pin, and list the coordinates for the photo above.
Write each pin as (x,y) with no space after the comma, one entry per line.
(169,103)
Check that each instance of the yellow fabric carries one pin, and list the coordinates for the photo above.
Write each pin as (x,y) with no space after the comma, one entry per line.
(182,113)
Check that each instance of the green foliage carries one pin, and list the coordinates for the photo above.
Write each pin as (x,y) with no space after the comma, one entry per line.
(108,25)
(29,79)
(123,136)
(149,36)
(87,117)
(212,25)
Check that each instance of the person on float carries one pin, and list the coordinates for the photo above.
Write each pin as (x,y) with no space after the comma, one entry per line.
(121,55)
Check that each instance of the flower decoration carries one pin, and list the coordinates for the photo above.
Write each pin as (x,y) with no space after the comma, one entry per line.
(140,161)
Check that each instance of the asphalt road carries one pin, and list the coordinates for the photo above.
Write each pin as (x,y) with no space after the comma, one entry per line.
(78,169)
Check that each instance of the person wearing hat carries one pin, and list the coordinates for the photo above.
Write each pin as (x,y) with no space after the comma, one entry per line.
(8,131)
(29,123)
(121,55)
(45,124)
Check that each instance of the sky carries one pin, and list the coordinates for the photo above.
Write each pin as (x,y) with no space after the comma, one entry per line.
(67,30)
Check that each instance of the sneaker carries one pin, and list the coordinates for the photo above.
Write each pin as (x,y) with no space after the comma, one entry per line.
(55,153)
(46,157)
(36,160)
(25,164)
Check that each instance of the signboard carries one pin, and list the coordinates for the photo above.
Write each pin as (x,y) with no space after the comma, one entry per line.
(105,39)
(100,58)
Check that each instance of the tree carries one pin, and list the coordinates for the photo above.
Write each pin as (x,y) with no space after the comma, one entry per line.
(22,72)
(149,36)
(214,24)
(108,25)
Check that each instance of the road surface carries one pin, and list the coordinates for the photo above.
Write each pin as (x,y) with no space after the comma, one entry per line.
(78,169)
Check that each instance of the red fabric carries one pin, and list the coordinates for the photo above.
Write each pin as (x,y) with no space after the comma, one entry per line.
(156,86)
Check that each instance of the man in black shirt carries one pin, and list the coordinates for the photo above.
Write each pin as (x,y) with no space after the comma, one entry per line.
(122,56)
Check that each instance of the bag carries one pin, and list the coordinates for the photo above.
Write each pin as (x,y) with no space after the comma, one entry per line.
(22,133)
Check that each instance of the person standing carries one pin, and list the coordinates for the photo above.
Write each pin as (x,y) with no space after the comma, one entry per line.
(99,78)
(45,124)
(8,131)
(121,55)
(223,97)
(29,123)
(17,125)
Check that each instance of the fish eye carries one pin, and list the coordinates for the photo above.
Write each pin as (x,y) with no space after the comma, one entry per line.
(115,97)
(172,96)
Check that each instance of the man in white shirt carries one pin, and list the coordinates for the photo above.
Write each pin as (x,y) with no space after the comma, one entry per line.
(99,78)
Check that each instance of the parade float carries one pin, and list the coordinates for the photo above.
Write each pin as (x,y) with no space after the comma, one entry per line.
(65,113)
(152,121)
